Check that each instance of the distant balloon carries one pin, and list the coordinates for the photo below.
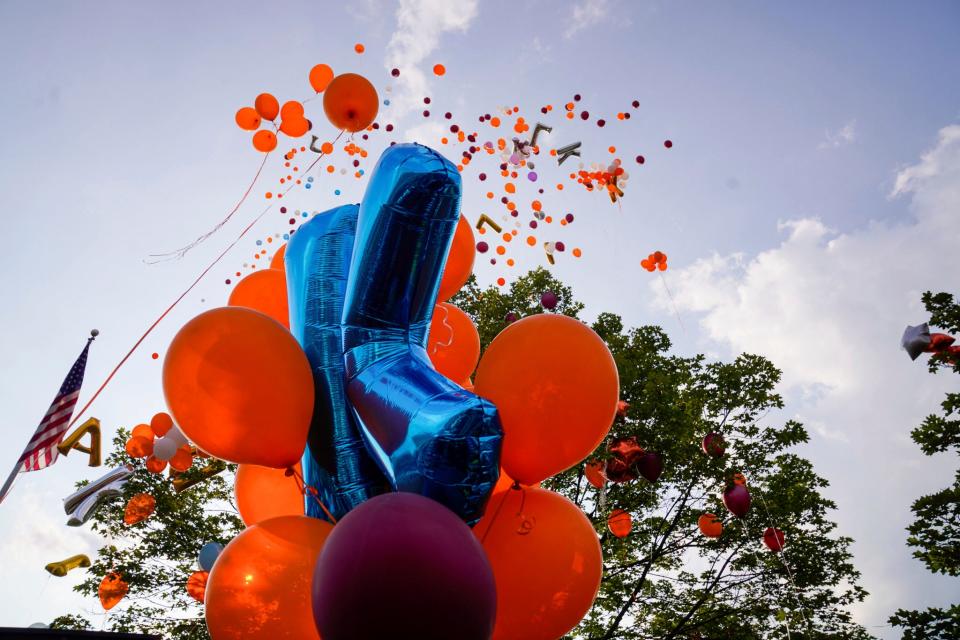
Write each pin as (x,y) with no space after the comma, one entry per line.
(267,106)
(208,555)
(320,77)
(774,539)
(350,102)
(714,445)
(737,500)
(710,525)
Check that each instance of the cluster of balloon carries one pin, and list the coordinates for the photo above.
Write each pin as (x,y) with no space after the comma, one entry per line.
(774,539)
(655,261)
(266,107)
(139,508)
(628,461)
(710,525)
(160,442)
(112,590)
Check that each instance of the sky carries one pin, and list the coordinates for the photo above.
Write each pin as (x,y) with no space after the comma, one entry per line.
(811,194)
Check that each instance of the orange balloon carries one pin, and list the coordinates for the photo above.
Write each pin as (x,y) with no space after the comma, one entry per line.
(156,465)
(351,102)
(264,291)
(277,261)
(320,77)
(240,387)
(295,127)
(453,343)
(739,478)
(459,265)
(291,110)
(620,523)
(111,591)
(264,141)
(710,525)
(197,585)
(139,508)
(467,384)
(139,447)
(596,473)
(439,69)
(142,431)
(546,561)
(263,493)
(182,459)
(556,387)
(259,588)
(160,424)
(248,118)
(267,106)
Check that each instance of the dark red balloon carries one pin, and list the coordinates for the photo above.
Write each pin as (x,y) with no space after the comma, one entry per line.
(650,465)
(774,539)
(714,445)
(737,500)
(403,566)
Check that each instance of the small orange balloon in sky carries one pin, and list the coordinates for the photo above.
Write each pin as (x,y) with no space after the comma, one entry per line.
(359,48)
(439,69)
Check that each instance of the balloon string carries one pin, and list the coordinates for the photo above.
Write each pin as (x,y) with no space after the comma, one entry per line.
(493,520)
(182,251)
(305,489)
(672,302)
(200,277)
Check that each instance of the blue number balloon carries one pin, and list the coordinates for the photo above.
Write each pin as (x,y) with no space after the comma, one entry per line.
(428,434)
(335,463)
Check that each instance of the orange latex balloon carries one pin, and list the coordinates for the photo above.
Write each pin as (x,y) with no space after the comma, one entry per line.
(546,561)
(459,266)
(320,77)
(276,262)
(267,106)
(265,291)
(240,387)
(620,523)
(160,424)
(467,384)
(556,387)
(350,102)
(139,508)
(112,590)
(155,465)
(263,493)
(291,110)
(264,141)
(142,431)
(139,447)
(295,127)
(182,459)
(453,343)
(710,525)
(248,118)
(259,588)
(596,473)
(197,585)
(739,478)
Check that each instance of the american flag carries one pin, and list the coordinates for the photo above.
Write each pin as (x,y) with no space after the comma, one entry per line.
(41,451)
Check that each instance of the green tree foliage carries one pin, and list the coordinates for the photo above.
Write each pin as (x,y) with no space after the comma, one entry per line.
(157,556)
(935,531)
(666,580)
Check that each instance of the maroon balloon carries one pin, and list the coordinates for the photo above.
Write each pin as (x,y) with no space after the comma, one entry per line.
(714,445)
(650,465)
(549,300)
(403,566)
(737,500)
(774,539)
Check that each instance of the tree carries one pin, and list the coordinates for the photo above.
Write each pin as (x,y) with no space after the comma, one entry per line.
(935,531)
(666,580)
(158,555)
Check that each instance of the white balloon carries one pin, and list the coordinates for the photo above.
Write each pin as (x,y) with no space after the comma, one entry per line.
(165,447)
(177,436)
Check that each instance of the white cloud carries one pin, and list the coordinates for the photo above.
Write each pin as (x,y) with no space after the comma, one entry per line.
(587,14)
(828,308)
(420,23)
(843,136)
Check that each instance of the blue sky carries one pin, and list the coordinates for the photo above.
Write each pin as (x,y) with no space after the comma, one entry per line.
(811,195)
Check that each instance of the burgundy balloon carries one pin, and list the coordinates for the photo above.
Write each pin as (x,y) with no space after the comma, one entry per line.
(774,539)
(737,500)
(548,299)
(650,465)
(403,566)
(714,445)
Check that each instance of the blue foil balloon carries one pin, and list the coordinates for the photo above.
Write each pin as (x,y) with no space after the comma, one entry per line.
(336,462)
(429,435)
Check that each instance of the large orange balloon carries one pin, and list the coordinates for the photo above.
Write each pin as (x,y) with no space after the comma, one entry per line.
(264,291)
(453,344)
(546,561)
(556,387)
(459,266)
(320,77)
(350,102)
(266,106)
(240,387)
(259,588)
(263,493)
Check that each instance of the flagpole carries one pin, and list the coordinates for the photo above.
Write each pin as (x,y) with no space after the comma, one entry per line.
(9,483)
